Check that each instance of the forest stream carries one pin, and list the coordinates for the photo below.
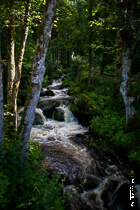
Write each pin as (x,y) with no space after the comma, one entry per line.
(98,185)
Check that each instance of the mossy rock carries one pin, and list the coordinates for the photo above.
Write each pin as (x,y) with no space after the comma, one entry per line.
(84,109)
(38,120)
(49,112)
(59,115)
(47,93)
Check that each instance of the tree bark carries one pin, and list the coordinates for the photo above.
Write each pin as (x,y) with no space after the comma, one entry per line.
(125,37)
(11,71)
(20,61)
(125,88)
(118,68)
(90,7)
(38,70)
(1,100)
(11,61)
(90,65)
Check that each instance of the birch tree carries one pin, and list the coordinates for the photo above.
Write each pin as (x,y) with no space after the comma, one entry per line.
(14,71)
(38,70)
(18,69)
(11,58)
(124,38)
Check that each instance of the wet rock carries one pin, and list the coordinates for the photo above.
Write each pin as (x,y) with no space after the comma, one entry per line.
(104,196)
(39,117)
(121,199)
(59,114)
(66,165)
(79,138)
(74,199)
(112,170)
(137,194)
(93,201)
(108,191)
(92,182)
(46,105)
(38,120)
(46,93)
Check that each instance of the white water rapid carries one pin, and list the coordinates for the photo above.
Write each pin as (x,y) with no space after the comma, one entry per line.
(55,135)
(63,143)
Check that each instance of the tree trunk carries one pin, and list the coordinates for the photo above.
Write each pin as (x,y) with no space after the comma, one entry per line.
(90,7)
(11,59)
(38,70)
(20,60)
(11,71)
(68,58)
(125,88)
(1,100)
(90,63)
(118,68)
(125,39)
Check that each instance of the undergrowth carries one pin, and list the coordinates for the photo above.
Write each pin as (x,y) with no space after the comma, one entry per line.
(25,184)
(107,128)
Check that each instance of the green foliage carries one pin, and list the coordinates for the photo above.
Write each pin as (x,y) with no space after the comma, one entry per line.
(76,75)
(84,108)
(101,105)
(53,71)
(4,183)
(107,126)
(109,135)
(25,184)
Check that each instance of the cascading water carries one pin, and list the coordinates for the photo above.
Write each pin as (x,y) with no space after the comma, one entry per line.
(64,152)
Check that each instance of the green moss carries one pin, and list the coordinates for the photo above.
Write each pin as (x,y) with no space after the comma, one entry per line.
(58,116)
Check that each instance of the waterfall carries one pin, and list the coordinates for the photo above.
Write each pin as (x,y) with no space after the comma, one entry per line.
(68,115)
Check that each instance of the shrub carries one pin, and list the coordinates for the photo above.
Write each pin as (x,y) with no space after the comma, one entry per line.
(25,184)
(84,108)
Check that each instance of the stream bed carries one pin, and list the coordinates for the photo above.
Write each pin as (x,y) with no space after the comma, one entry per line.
(63,142)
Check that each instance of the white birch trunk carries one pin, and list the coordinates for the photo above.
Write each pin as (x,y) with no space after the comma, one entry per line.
(11,64)
(125,36)
(125,88)
(20,61)
(38,70)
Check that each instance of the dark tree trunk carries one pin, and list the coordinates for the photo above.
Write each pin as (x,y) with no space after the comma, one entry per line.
(90,65)
(68,58)
(1,100)
(118,68)
(90,7)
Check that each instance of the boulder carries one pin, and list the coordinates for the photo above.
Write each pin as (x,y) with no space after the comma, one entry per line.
(59,114)
(47,92)
(47,105)
(38,119)
(39,116)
